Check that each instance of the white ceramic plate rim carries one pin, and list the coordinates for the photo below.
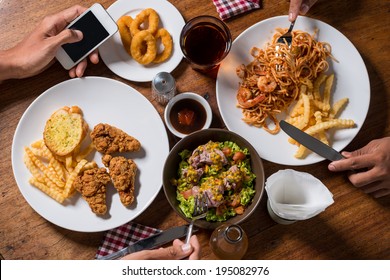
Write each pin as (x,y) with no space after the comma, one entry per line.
(351,80)
(107,101)
(181,96)
(119,62)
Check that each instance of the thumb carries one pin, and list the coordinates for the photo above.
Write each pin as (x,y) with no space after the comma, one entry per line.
(67,36)
(294,9)
(183,250)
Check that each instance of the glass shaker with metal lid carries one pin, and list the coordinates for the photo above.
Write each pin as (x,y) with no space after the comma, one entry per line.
(163,87)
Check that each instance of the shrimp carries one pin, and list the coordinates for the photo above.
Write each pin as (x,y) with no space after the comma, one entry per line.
(241,71)
(246,99)
(266,84)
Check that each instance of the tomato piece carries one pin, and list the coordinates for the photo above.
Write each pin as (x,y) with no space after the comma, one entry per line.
(226,151)
(239,210)
(238,156)
(186,194)
(186,117)
(221,209)
(236,201)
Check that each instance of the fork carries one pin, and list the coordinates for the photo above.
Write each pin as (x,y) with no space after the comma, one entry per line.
(286,38)
(200,211)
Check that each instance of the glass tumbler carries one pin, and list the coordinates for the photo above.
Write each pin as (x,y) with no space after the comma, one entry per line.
(205,41)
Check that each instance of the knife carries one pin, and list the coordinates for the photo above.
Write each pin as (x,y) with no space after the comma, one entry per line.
(310,142)
(150,242)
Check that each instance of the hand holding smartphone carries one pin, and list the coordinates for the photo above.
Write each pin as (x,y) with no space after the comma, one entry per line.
(97,26)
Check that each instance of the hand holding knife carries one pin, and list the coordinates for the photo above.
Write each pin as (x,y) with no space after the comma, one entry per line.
(150,242)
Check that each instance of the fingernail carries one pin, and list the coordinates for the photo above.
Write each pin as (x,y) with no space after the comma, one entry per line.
(345,154)
(291,17)
(331,167)
(78,33)
(304,9)
(186,248)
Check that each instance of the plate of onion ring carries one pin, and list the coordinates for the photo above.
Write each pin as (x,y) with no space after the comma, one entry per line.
(350,81)
(119,61)
(102,100)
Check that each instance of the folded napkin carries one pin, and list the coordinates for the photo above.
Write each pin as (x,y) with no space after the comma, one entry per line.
(229,8)
(295,195)
(123,236)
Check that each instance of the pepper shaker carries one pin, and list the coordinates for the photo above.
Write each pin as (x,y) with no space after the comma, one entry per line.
(163,87)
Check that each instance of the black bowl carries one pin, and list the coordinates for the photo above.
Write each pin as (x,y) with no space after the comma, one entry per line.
(191,142)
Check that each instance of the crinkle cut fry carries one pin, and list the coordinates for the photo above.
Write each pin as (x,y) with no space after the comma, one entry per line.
(337,106)
(339,123)
(47,171)
(68,190)
(53,193)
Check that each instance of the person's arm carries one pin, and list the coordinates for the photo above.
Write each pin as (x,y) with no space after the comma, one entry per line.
(37,51)
(7,68)
(299,7)
(177,251)
(374,160)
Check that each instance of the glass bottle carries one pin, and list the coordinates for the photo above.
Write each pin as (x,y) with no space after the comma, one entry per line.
(229,242)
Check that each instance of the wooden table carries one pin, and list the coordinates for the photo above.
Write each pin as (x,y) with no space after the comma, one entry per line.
(356,226)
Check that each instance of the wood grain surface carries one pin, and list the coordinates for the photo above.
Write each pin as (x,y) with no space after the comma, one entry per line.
(356,226)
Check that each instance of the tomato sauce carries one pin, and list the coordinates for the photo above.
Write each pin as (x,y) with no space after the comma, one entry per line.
(187,116)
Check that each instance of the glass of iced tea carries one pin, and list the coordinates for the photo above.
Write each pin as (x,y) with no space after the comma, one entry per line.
(205,41)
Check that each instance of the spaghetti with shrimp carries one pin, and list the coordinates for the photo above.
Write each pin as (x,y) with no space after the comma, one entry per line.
(271,81)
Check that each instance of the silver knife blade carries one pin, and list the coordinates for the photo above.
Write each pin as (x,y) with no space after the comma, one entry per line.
(150,242)
(310,142)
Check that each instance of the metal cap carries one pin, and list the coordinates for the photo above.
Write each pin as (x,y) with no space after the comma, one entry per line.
(163,83)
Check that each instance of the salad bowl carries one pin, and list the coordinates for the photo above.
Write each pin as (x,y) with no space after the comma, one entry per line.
(190,143)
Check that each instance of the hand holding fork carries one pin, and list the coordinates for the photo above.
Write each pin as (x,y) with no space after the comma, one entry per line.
(200,211)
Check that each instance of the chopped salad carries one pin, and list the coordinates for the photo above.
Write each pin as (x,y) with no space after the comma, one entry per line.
(222,171)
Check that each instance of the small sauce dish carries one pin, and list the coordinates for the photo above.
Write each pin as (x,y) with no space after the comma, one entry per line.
(187,112)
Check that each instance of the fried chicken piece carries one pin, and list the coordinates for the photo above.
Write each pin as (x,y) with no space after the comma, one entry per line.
(122,172)
(92,186)
(109,139)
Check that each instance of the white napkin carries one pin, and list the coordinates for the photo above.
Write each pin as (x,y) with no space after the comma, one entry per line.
(297,195)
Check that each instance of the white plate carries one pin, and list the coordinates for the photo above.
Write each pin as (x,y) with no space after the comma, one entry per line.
(101,100)
(116,58)
(351,80)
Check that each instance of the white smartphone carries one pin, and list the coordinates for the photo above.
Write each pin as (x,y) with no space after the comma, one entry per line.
(97,26)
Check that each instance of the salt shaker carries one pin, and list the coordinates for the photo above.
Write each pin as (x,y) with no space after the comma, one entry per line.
(229,242)
(163,87)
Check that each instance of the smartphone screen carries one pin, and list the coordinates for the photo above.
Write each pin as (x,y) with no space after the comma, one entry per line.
(93,34)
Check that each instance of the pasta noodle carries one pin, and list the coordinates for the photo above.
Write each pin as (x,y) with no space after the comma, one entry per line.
(272,80)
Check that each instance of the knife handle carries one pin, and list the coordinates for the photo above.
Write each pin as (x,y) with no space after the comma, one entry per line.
(115,256)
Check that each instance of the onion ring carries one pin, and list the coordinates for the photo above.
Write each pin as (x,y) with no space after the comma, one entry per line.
(153,20)
(143,56)
(124,23)
(166,40)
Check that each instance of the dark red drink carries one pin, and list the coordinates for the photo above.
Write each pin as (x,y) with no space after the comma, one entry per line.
(205,44)
(205,41)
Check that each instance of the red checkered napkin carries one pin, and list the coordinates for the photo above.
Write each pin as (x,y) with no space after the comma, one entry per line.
(229,8)
(123,236)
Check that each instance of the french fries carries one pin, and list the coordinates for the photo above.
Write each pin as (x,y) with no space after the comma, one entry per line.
(314,114)
(55,175)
